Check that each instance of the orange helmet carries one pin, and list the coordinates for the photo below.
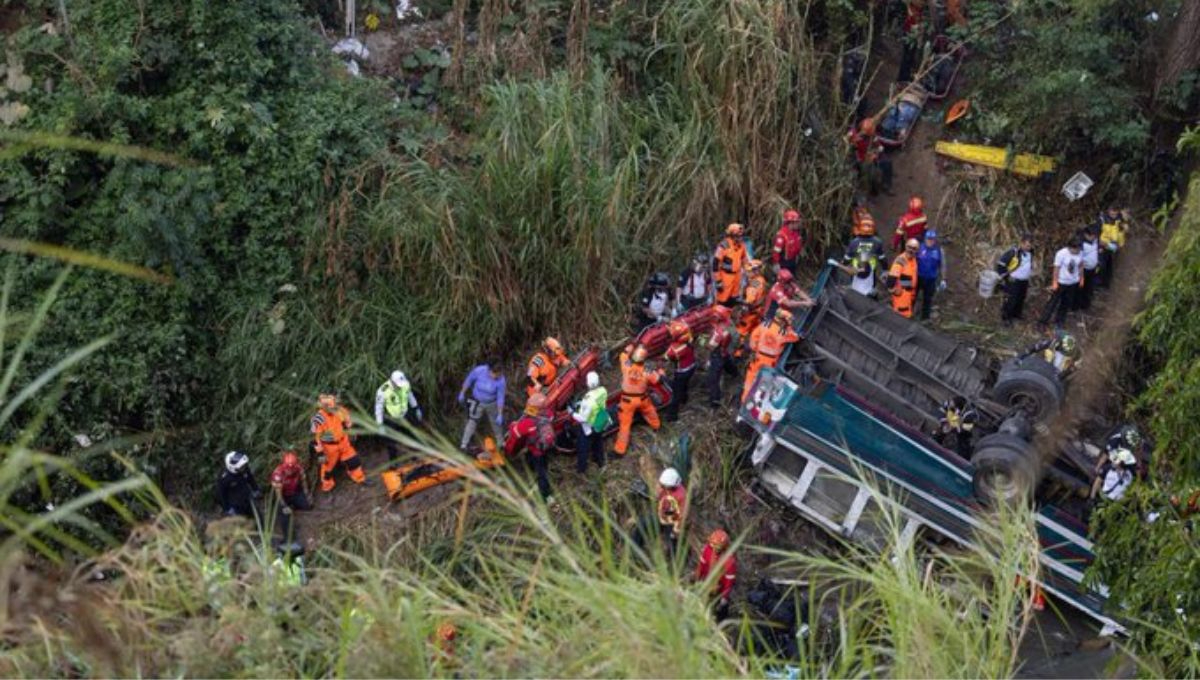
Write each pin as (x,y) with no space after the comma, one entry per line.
(535,404)
(755,265)
(783,316)
(867,126)
(327,401)
(290,458)
(718,539)
(791,217)
(447,632)
(915,204)
(786,276)
(552,345)
(639,355)
(734,229)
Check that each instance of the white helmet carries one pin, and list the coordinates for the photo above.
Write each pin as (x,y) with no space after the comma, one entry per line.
(236,460)
(1123,456)
(669,478)
(399,379)
(593,380)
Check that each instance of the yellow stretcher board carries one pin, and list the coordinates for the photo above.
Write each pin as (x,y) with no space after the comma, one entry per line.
(1027,164)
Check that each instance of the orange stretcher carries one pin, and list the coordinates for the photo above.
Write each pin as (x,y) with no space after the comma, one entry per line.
(409,480)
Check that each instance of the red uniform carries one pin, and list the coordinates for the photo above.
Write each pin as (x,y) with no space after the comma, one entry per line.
(781,295)
(725,563)
(683,354)
(866,147)
(786,251)
(287,478)
(912,224)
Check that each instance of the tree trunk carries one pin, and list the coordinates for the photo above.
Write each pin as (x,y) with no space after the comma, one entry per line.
(1182,53)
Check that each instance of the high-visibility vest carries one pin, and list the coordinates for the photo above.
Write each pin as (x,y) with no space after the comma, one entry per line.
(395,400)
(596,401)
(1112,232)
(290,574)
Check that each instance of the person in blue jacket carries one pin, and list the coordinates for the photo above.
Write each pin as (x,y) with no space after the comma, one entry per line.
(931,267)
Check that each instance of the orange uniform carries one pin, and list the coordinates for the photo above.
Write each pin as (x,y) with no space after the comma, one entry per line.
(542,370)
(329,432)
(755,297)
(635,385)
(728,263)
(902,279)
(768,343)
(864,222)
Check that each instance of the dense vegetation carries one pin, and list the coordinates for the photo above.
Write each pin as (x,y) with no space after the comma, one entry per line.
(318,230)
(1149,552)
(314,246)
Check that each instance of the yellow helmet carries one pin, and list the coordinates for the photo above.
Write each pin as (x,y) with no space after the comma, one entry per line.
(553,346)
(639,355)
(734,229)
(327,401)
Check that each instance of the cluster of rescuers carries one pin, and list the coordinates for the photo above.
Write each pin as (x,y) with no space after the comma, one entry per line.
(754,321)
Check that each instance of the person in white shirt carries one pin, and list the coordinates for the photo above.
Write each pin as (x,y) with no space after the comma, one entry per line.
(1068,272)
(1015,267)
(1090,250)
(1115,475)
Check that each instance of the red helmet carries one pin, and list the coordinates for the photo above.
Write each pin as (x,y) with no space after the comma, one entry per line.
(791,217)
(290,458)
(915,204)
(867,126)
(785,276)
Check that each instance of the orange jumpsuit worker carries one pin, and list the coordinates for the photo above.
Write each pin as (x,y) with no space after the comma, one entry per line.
(635,384)
(768,343)
(543,367)
(754,295)
(862,222)
(729,260)
(902,279)
(329,427)
(912,224)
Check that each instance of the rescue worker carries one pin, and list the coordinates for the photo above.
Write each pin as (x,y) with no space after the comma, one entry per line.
(767,343)
(931,271)
(864,259)
(288,566)
(487,385)
(672,508)
(785,294)
(288,481)
(716,558)
(862,223)
(396,407)
(729,261)
(535,428)
(543,367)
(1015,266)
(902,279)
(329,429)
(237,490)
(592,416)
(957,425)
(1112,225)
(720,354)
(444,639)
(785,252)
(683,355)
(635,398)
(751,310)
(695,284)
(1068,273)
(874,171)
(1115,475)
(1059,349)
(654,304)
(912,224)
(1089,250)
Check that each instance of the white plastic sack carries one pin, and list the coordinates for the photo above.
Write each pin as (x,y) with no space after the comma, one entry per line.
(351,47)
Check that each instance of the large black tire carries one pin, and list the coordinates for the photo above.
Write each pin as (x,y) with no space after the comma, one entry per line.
(1006,469)
(1032,386)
